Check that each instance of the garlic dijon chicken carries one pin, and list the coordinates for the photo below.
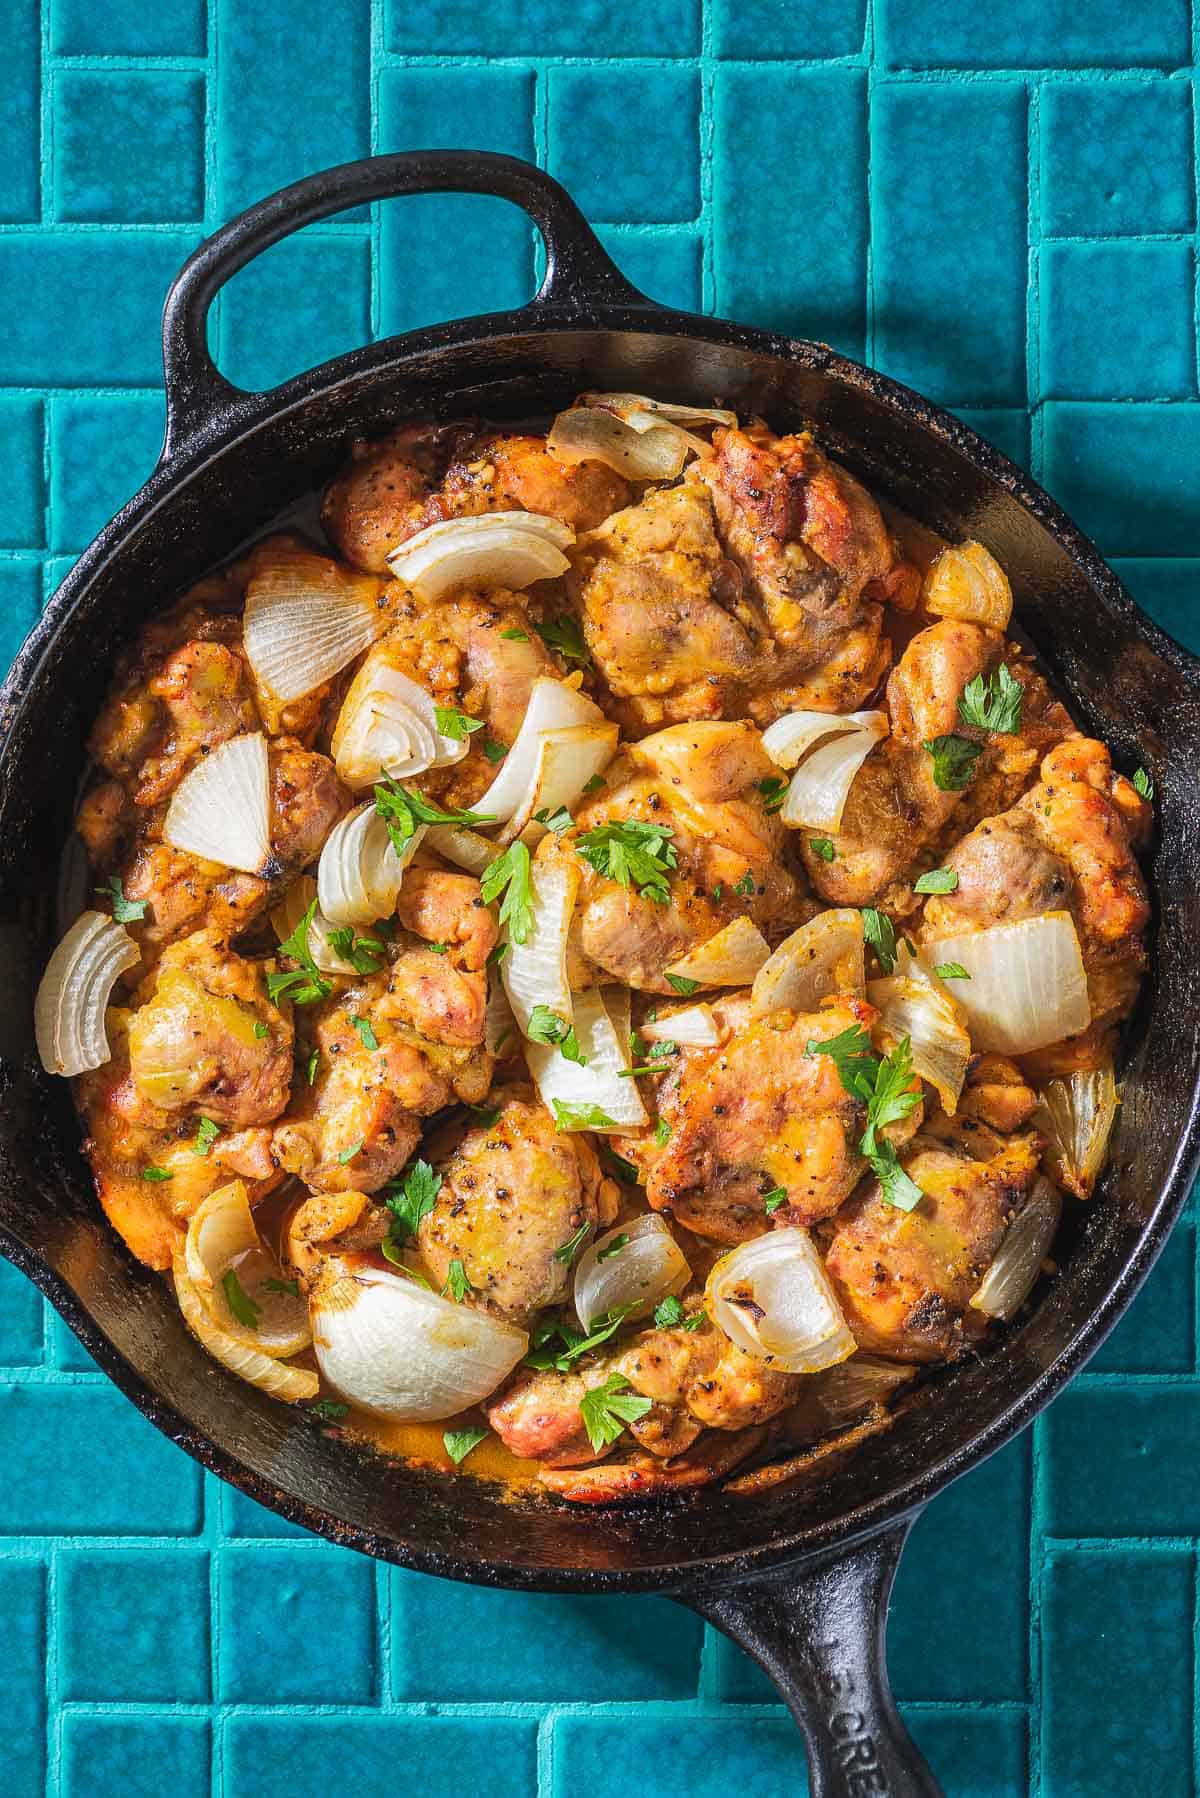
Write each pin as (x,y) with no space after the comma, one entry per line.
(604,965)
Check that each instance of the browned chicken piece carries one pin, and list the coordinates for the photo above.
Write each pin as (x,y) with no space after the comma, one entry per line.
(359,1119)
(447,908)
(905,1278)
(207,1037)
(729,852)
(519,474)
(1064,847)
(643,1476)
(329,1226)
(539,1418)
(895,808)
(378,499)
(307,800)
(755,1115)
(441,1002)
(662,608)
(996,1095)
(104,821)
(201,696)
(513,1194)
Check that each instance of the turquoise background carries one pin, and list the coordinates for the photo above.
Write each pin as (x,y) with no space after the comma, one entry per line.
(996,203)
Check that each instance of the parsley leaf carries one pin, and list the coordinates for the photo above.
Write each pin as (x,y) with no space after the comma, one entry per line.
(314,1062)
(773,791)
(894,1095)
(774,1199)
(455,724)
(496,955)
(557,821)
(886,1087)
(457,1284)
(207,1133)
(546,1026)
(349,1154)
(260,1029)
(669,1314)
(823,847)
(624,1170)
(239,1301)
(564,634)
(543,1354)
(459,1443)
(124,911)
(403,808)
(495,752)
(745,886)
(567,1251)
(683,985)
(880,932)
(938,880)
(366,1033)
(510,874)
(629,851)
(157,1173)
(366,954)
(614,1248)
(581,1117)
(515,636)
(593,783)
(851,1052)
(895,1186)
(607,1409)
(993,704)
(485,1115)
(951,970)
(306,983)
(662,1133)
(290,1287)
(1142,783)
(328,1408)
(412,1199)
(954,760)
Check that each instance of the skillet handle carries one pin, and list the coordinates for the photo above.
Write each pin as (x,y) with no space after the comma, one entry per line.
(818,1631)
(580,275)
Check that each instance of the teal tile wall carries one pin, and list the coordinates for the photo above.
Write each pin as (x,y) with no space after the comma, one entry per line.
(997,203)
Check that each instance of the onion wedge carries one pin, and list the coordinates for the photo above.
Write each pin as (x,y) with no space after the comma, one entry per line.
(494,549)
(221,810)
(388,725)
(72,997)
(816,797)
(459,844)
(772,1297)
(693,1026)
(824,956)
(221,1238)
(271,1376)
(912,1006)
(967,582)
(635,1272)
(566,760)
(306,619)
(1026,988)
(1010,1279)
(790,738)
(535,971)
(593,1095)
(591,434)
(553,706)
(636,405)
(360,873)
(731,958)
(1077,1113)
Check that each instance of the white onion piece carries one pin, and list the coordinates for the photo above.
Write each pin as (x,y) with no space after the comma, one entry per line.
(306,618)
(250,1364)
(464,847)
(393,1349)
(731,958)
(501,1037)
(72,998)
(553,706)
(618,1003)
(535,971)
(692,1025)
(627,405)
(590,434)
(599,1082)
(360,874)
(388,725)
(772,1297)
(1077,1113)
(566,761)
(1010,1279)
(824,956)
(221,810)
(816,797)
(221,1236)
(791,736)
(1026,987)
(495,549)
(967,582)
(649,1267)
(933,1023)
(842,1392)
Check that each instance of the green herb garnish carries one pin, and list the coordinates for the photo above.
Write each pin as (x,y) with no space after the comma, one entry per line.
(822,846)
(773,791)
(558,820)
(495,752)
(564,634)
(568,1250)
(411,1199)
(459,1443)
(885,1087)
(607,1409)
(457,1284)
(455,724)
(544,1354)
(951,970)
(314,1062)
(880,932)
(594,782)
(628,851)
(124,911)
(305,984)
(938,880)
(683,985)
(260,1029)
(745,886)
(354,1149)
(366,1033)
(328,1408)
(774,1199)
(993,704)
(290,1287)
(614,1248)
(954,760)
(662,1133)
(546,1026)
(1142,783)
(581,1117)
(207,1133)
(515,636)
(511,875)
(624,1170)
(403,809)
(366,954)
(239,1301)
(157,1173)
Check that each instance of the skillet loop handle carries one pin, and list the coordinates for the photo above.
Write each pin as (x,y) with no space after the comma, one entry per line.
(818,1632)
(580,276)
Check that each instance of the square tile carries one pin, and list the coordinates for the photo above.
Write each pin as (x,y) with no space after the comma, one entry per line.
(973,1753)
(586,28)
(79,1460)
(625,142)
(667,266)
(20,115)
(626,1648)
(139,1757)
(1127,1726)
(128,146)
(1032,34)
(23,1632)
(102,449)
(1115,1460)
(753,30)
(127,28)
(1169,589)
(1117,321)
(23,496)
(492,265)
(245,1519)
(308,1757)
(20,1319)
(1126,474)
(301,303)
(297,1626)
(1157,1335)
(780,262)
(155,1605)
(1116,158)
(589,1754)
(949,298)
(20,605)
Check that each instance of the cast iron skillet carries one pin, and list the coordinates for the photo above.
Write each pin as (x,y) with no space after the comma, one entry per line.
(799,1575)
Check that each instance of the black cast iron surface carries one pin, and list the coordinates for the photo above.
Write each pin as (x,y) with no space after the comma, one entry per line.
(232,461)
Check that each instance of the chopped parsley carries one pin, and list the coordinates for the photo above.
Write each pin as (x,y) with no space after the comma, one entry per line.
(581,1117)
(495,752)
(124,911)
(571,1345)
(314,1062)
(607,1409)
(485,1115)
(993,704)
(546,1026)
(496,955)
(954,760)
(614,1248)
(457,1284)
(662,1133)
(459,1443)
(745,886)
(305,984)
(564,634)
(1142,782)
(260,1029)
(515,636)
(774,1199)
(558,820)
(239,1301)
(628,851)
(157,1173)
(328,1408)
(593,783)
(951,970)
(885,1087)
(366,1033)
(938,880)
(895,1186)
(669,1314)
(823,847)
(568,1250)
(411,1199)
(438,948)
(624,1170)
(455,724)
(366,954)
(289,1287)
(403,808)
(880,932)
(349,1154)
(773,791)
(683,985)
(207,1133)
(510,874)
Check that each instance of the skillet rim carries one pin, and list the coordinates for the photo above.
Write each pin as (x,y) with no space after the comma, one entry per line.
(236,419)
